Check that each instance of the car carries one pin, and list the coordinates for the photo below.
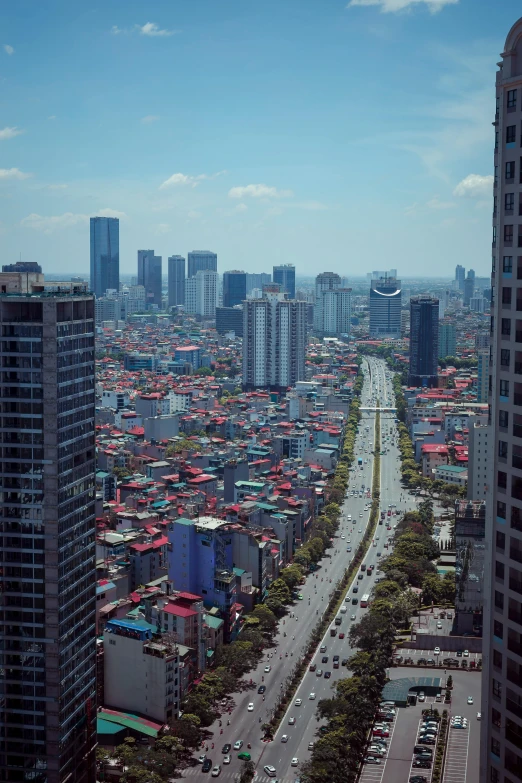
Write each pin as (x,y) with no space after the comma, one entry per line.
(466,653)
(343,536)
(294,762)
(360,531)
(298,702)
(479,716)
(375,750)
(421,696)
(227,759)
(284,738)
(250,707)
(348,548)
(372,760)
(324,659)
(226,748)
(439,625)
(427,740)
(216,771)
(436,651)
(470,699)
(312,667)
(238,745)
(422,661)
(430,662)
(291,721)
(319,673)
(423,749)
(300,596)
(322,648)
(341,635)
(459,653)
(270,770)
(312,696)
(422,763)
(207,765)
(418,779)
(244,756)
(344,660)
(202,758)
(261,689)
(327,675)
(268,669)
(355,589)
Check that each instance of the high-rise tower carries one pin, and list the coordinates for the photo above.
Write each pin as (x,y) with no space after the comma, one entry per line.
(285,276)
(105,254)
(176,282)
(200,260)
(424,341)
(234,288)
(385,307)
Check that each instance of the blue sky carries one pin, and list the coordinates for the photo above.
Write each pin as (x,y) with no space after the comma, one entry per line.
(333,135)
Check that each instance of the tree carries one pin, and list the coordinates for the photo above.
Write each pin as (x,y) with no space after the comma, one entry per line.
(279,590)
(431,589)
(248,772)
(275,605)
(187,730)
(196,704)
(136,773)
(267,619)
(204,371)
(302,557)
(292,576)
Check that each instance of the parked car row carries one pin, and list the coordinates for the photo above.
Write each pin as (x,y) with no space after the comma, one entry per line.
(380,733)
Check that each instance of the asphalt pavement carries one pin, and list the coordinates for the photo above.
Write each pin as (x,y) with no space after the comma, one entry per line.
(245,725)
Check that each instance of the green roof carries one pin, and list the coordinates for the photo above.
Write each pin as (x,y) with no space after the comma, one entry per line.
(214,622)
(130,722)
(183,521)
(106,727)
(451,468)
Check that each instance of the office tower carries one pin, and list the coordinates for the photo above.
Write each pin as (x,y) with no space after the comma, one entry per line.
(199,260)
(424,341)
(501,753)
(285,276)
(469,287)
(149,276)
(201,293)
(274,341)
(257,281)
(105,254)
(385,307)
(176,283)
(483,376)
(333,312)
(447,340)
(378,273)
(22,266)
(48,566)
(234,288)
(229,319)
(460,276)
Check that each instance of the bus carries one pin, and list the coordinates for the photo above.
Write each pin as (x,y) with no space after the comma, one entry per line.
(365,600)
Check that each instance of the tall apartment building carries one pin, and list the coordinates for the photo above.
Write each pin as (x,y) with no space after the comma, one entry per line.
(469,287)
(501,745)
(149,276)
(23,267)
(176,280)
(480,439)
(274,341)
(200,260)
(257,280)
(385,307)
(105,254)
(483,376)
(447,339)
(201,293)
(234,288)
(424,341)
(460,276)
(333,312)
(285,276)
(47,559)
(229,319)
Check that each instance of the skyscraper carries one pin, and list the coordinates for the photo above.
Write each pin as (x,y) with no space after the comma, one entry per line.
(501,753)
(105,254)
(201,293)
(149,276)
(460,276)
(424,341)
(274,341)
(447,339)
(333,313)
(199,260)
(257,280)
(47,559)
(234,288)
(176,283)
(385,307)
(285,276)
(469,287)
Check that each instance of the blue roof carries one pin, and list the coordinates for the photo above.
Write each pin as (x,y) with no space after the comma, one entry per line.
(104,588)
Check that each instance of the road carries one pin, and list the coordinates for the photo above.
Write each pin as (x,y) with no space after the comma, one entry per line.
(246,725)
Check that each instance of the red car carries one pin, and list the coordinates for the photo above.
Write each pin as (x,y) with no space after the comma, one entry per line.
(341,635)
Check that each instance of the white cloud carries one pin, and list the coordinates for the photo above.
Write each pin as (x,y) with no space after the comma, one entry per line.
(115,30)
(153,30)
(9,133)
(51,223)
(108,212)
(8,49)
(436,203)
(392,6)
(258,191)
(13,174)
(241,208)
(194,215)
(149,119)
(188,179)
(162,228)
(57,186)
(474,186)
(52,117)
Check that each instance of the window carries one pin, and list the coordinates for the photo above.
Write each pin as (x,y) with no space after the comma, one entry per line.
(496,718)
(497,688)
(503,419)
(499,600)
(510,170)
(505,355)
(499,570)
(494,240)
(506,327)
(494,776)
(508,233)
(498,629)
(495,747)
(507,264)
(497,659)
(504,388)
(500,539)
(502,449)
(502,479)
(509,203)
(511,134)
(506,295)
(511,99)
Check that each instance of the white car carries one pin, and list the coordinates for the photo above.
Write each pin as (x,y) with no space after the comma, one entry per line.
(439,625)
(470,699)
(436,651)
(267,669)
(270,770)
(312,697)
(202,758)
(353,617)
(479,716)
(227,759)
(291,721)
(284,738)
(216,771)
(238,745)
(421,696)
(343,536)
(466,653)
(294,762)
(298,702)
(250,707)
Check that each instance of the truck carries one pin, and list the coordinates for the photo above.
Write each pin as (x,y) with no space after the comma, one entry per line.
(360,462)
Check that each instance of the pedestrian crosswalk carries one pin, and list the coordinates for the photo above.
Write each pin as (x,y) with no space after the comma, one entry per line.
(229,776)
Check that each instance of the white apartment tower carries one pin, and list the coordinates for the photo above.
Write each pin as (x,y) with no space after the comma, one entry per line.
(333,305)
(274,341)
(501,745)
(201,293)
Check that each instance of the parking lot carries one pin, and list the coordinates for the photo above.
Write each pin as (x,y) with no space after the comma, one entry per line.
(428,658)
(374,773)
(456,765)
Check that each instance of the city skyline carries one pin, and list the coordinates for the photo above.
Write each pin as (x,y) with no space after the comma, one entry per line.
(296,194)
